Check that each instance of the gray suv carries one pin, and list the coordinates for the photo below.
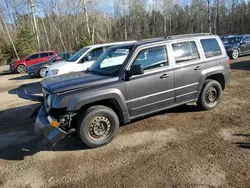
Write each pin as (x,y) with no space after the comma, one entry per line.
(131,81)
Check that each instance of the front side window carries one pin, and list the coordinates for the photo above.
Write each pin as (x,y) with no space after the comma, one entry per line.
(34,56)
(185,52)
(211,48)
(152,58)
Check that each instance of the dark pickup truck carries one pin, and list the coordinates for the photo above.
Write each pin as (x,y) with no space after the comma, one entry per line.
(131,81)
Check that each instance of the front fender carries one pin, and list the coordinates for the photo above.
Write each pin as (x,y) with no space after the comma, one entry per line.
(85,98)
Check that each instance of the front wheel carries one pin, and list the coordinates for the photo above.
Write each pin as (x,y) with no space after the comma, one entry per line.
(235,54)
(98,126)
(21,69)
(210,95)
(42,72)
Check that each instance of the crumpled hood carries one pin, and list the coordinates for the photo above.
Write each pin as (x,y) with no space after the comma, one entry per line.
(74,80)
(229,46)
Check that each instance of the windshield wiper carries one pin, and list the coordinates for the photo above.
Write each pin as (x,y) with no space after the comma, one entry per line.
(95,72)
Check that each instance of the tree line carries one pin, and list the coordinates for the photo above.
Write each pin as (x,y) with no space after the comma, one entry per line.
(27,26)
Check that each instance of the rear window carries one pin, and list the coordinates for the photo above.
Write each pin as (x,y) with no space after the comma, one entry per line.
(211,48)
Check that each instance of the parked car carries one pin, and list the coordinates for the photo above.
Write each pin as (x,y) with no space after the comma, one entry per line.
(237,46)
(40,68)
(131,81)
(22,65)
(81,60)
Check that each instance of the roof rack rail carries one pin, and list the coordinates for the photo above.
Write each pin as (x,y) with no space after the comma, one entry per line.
(187,35)
(151,39)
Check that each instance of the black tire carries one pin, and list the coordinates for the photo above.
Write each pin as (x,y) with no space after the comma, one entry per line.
(235,54)
(210,95)
(93,122)
(42,72)
(21,69)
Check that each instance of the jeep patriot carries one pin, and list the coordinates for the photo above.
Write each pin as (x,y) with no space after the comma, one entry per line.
(131,81)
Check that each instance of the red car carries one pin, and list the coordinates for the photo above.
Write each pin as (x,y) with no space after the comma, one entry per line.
(22,65)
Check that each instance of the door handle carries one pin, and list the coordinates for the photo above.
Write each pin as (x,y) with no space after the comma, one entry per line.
(164,76)
(198,68)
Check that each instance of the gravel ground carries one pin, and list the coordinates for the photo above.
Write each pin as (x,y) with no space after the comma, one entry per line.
(182,147)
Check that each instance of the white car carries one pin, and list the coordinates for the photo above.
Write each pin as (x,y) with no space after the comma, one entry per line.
(81,60)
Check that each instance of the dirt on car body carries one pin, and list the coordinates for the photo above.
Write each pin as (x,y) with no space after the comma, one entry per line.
(181,147)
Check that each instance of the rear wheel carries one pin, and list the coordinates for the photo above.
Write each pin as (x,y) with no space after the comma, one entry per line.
(98,126)
(21,69)
(42,72)
(210,95)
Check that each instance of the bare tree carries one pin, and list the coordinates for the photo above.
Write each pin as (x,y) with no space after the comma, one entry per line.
(8,34)
(32,5)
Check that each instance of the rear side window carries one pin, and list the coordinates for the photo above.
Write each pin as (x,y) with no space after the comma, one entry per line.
(185,52)
(44,55)
(34,56)
(51,53)
(152,58)
(211,48)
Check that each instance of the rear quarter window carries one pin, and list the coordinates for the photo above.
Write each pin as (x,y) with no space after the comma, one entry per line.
(211,48)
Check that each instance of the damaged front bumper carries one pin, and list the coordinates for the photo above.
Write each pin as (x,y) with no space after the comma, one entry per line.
(32,97)
(44,128)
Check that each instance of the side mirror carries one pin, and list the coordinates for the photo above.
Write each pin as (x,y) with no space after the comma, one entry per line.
(243,42)
(58,58)
(136,70)
(27,59)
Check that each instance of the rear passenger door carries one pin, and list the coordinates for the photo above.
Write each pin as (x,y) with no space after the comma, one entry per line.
(44,56)
(153,90)
(188,66)
(32,59)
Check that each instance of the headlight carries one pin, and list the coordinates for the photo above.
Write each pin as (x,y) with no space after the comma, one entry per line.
(49,101)
(55,71)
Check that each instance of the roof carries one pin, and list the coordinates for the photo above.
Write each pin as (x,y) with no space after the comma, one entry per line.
(169,38)
(44,52)
(245,35)
(110,44)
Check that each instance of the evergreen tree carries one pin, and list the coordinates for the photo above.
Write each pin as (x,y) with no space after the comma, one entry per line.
(25,42)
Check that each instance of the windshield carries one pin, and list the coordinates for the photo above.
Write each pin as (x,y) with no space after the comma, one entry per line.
(233,40)
(77,55)
(51,60)
(110,61)
(224,39)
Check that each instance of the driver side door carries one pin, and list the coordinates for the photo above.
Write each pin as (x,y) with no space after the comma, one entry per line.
(153,90)
(245,46)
